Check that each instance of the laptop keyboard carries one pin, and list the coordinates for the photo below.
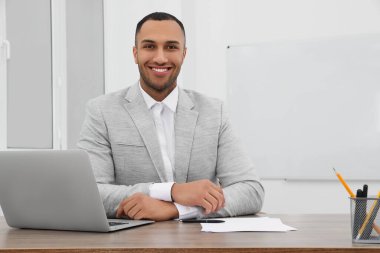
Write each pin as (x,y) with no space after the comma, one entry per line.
(113,223)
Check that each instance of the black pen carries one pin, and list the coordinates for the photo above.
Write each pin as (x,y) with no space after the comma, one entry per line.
(365,190)
(202,221)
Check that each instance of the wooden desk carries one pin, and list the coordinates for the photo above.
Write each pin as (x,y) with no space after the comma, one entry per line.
(316,233)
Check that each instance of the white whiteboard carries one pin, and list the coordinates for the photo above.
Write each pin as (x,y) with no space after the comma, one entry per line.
(303,107)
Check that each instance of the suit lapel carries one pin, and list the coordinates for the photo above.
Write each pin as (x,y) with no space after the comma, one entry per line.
(185,122)
(143,120)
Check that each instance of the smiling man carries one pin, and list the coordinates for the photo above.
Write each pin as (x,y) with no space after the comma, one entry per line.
(160,152)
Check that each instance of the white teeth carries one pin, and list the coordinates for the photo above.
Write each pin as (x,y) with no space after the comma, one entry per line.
(159,70)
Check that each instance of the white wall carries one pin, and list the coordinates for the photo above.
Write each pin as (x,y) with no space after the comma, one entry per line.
(85,61)
(3,77)
(212,25)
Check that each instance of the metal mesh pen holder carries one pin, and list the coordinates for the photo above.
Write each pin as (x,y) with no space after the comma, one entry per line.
(365,220)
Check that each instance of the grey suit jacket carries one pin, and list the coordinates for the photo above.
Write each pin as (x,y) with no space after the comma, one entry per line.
(120,137)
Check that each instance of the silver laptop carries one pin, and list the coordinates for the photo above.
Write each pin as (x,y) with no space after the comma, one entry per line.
(53,190)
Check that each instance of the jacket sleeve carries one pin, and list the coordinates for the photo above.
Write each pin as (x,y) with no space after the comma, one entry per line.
(95,140)
(241,185)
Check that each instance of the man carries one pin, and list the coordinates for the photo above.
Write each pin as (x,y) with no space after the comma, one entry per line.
(160,152)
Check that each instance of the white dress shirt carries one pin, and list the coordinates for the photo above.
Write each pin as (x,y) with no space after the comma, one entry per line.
(163,115)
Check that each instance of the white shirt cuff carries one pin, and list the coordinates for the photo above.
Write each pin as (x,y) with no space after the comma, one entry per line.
(187,212)
(161,191)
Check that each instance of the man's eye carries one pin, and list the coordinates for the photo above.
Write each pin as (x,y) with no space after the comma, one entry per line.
(171,47)
(148,46)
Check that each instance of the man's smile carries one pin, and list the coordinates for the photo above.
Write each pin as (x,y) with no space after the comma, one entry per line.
(160,71)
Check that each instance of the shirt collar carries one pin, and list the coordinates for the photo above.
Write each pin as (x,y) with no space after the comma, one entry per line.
(170,101)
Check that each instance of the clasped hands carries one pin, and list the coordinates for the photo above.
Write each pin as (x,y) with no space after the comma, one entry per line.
(201,193)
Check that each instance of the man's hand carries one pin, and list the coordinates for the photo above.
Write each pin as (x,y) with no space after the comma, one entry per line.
(199,193)
(140,206)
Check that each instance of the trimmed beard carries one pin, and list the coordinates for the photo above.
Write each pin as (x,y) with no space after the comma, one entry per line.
(151,85)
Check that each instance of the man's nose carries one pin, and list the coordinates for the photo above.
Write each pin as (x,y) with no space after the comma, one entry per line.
(160,57)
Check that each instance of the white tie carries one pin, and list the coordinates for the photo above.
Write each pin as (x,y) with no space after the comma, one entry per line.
(158,109)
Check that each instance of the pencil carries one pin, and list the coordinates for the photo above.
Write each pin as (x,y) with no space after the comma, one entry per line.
(352,195)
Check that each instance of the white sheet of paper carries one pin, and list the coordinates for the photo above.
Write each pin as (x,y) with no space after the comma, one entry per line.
(259,224)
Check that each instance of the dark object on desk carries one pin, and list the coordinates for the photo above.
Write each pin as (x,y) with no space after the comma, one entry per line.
(202,221)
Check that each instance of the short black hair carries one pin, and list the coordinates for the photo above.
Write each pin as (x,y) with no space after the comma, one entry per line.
(158,16)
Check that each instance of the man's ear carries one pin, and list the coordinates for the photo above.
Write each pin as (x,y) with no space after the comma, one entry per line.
(135,54)
(184,52)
